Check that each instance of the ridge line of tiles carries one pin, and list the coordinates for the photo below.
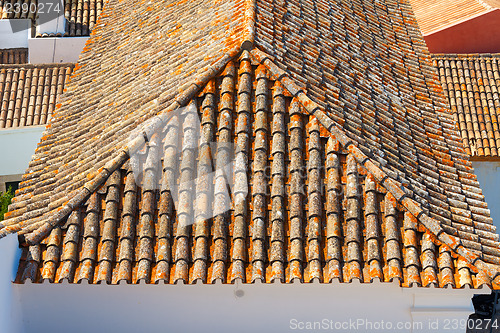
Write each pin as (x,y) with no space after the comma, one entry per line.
(49,178)
(55,217)
(393,186)
(36,260)
(45,65)
(464,55)
(249,20)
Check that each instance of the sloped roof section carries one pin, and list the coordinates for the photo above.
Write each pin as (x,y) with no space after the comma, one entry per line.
(435,15)
(360,70)
(29,93)
(323,218)
(471,82)
(13,56)
(369,73)
(132,68)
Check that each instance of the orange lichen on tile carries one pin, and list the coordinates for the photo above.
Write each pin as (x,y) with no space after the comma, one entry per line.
(389,128)
(392,241)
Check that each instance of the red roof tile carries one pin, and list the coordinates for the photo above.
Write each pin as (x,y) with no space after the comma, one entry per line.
(435,15)
(323,218)
(360,70)
(471,82)
(13,56)
(29,93)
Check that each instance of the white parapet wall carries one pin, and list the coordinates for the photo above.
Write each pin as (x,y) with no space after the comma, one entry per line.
(346,307)
(17,145)
(55,49)
(9,258)
(488,175)
(14,33)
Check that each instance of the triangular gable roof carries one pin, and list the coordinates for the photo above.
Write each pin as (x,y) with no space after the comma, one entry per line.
(362,70)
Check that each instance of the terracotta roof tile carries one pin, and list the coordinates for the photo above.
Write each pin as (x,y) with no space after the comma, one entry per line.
(10,9)
(439,14)
(208,62)
(29,93)
(324,218)
(81,16)
(471,83)
(360,121)
(434,145)
(13,56)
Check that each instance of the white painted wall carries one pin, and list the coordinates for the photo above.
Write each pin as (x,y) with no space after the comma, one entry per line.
(9,260)
(240,308)
(55,49)
(488,174)
(16,147)
(18,39)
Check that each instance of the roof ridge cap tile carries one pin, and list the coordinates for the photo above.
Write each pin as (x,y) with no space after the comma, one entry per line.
(249,18)
(55,216)
(391,185)
(44,65)
(464,56)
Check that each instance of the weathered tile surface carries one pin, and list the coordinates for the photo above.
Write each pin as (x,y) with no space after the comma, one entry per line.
(349,166)
(311,213)
(366,65)
(29,93)
(125,82)
(471,82)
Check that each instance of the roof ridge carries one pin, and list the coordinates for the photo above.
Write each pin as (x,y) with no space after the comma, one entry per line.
(391,185)
(464,55)
(249,19)
(29,65)
(41,226)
